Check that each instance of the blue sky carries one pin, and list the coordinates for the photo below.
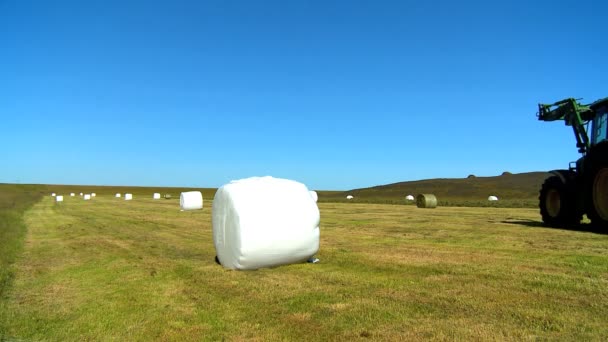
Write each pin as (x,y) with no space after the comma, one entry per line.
(335,94)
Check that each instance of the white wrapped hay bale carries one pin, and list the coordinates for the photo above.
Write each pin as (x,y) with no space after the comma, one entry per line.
(409,198)
(349,197)
(128,197)
(314,195)
(87,197)
(264,222)
(59,198)
(93,194)
(492,198)
(81,194)
(72,194)
(191,200)
(53,194)
(117,195)
(156,195)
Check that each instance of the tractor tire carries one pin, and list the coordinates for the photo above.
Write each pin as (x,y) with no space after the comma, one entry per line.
(597,189)
(557,203)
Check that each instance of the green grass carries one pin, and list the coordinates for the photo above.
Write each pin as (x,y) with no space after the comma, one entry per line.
(142,270)
(14,200)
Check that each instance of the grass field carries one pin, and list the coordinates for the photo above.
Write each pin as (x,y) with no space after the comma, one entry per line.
(110,269)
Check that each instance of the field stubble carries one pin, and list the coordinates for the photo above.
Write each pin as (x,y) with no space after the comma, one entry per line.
(143,270)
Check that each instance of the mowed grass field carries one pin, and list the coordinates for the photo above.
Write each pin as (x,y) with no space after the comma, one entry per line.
(109,269)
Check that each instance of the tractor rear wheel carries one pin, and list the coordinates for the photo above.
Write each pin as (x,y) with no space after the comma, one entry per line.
(557,203)
(597,210)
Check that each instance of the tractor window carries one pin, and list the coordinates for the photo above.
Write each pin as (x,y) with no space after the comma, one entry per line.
(600,127)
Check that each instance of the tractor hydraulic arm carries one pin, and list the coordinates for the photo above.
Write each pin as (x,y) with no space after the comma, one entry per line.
(573,113)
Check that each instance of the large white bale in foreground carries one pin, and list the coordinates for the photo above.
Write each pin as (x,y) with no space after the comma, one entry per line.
(314,195)
(58,198)
(492,198)
(264,222)
(87,197)
(156,195)
(190,200)
(128,197)
(117,195)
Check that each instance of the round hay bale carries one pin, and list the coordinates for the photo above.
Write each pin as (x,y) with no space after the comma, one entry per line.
(156,195)
(191,200)
(409,198)
(128,197)
(71,194)
(87,197)
(492,198)
(117,195)
(58,198)
(349,197)
(262,222)
(93,194)
(426,201)
(314,195)
(471,176)
(53,194)
(167,196)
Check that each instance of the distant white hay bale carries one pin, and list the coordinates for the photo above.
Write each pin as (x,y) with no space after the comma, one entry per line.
(117,195)
(409,198)
(156,195)
(492,198)
(264,222)
(349,197)
(81,194)
(426,201)
(314,195)
(167,196)
(72,194)
(191,200)
(93,194)
(53,194)
(87,197)
(128,197)
(59,198)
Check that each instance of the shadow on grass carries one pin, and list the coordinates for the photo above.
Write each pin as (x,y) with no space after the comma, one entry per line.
(584,227)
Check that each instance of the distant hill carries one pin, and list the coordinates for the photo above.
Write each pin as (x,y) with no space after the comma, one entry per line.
(519,189)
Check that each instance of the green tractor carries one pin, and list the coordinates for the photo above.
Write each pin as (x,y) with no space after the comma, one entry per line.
(583,188)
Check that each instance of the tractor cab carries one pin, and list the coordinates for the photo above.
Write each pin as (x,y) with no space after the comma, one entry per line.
(599,128)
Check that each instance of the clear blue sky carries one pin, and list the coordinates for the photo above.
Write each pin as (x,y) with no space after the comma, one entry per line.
(335,94)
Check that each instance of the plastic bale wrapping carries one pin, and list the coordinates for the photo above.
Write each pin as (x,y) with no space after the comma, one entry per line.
(128,197)
(349,197)
(426,201)
(167,196)
(93,194)
(53,194)
(72,194)
(492,198)
(264,222)
(314,195)
(117,195)
(87,197)
(409,198)
(58,198)
(191,200)
(156,195)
